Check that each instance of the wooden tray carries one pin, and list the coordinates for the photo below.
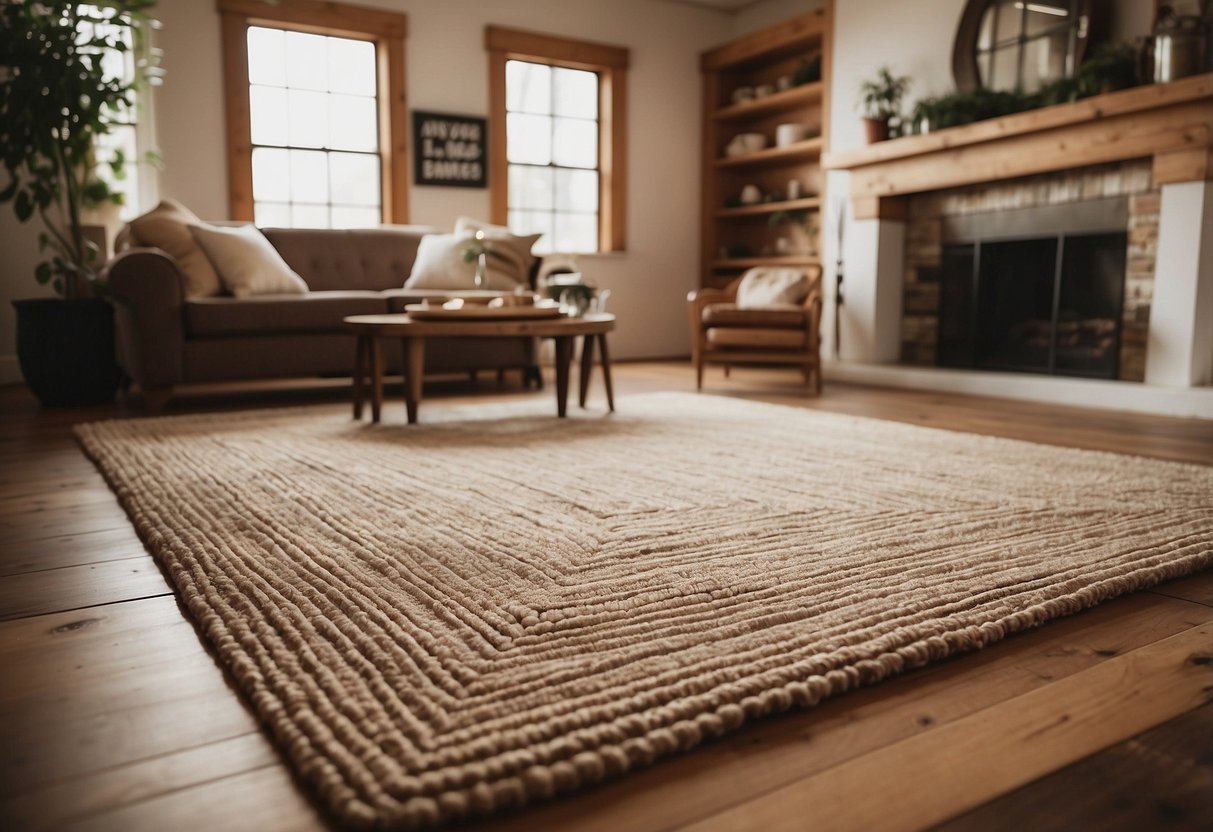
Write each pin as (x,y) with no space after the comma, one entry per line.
(477,312)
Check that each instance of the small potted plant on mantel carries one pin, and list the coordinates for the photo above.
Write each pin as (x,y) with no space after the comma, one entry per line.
(881,102)
(58,96)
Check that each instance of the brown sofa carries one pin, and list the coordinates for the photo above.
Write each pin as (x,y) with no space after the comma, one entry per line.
(166,339)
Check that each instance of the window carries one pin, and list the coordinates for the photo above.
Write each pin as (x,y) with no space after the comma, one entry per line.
(315,115)
(557,161)
(129,134)
(1019,44)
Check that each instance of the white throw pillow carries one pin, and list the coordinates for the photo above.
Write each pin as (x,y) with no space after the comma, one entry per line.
(246,262)
(772,287)
(440,265)
(505,241)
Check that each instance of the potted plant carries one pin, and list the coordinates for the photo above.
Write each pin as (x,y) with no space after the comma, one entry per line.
(880,100)
(58,96)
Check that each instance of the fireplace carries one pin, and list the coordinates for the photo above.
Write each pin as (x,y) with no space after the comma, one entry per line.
(1036,291)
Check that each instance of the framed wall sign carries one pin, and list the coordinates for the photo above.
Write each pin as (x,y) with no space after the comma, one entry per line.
(449,150)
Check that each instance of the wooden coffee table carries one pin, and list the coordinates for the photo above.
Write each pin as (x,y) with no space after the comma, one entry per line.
(371,329)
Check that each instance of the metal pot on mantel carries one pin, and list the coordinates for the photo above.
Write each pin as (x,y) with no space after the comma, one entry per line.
(1177,47)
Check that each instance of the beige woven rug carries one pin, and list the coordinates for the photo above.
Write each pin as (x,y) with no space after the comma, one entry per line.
(494,606)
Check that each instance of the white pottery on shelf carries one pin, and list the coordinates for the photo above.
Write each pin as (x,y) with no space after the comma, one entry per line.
(790,134)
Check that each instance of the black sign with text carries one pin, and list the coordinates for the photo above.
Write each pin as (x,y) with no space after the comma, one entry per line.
(449,150)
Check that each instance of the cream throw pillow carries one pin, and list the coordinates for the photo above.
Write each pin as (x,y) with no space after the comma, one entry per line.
(167,227)
(246,262)
(516,246)
(440,265)
(772,287)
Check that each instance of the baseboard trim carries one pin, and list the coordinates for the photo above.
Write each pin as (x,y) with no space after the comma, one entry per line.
(1190,402)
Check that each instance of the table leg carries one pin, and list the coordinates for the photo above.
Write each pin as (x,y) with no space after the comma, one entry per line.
(359,380)
(587,368)
(376,377)
(414,363)
(564,357)
(606,371)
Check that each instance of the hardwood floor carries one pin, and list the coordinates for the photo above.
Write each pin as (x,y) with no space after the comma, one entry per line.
(114,716)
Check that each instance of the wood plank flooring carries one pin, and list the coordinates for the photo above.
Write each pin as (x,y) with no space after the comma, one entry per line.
(115,716)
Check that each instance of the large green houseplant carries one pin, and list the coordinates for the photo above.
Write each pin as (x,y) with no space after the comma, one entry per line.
(58,96)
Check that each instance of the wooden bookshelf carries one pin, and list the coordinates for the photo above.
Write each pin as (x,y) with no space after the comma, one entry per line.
(754,60)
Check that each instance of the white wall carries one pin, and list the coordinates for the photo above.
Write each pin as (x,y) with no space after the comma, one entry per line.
(447,71)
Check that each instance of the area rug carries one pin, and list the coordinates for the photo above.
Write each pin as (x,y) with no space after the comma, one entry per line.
(496,606)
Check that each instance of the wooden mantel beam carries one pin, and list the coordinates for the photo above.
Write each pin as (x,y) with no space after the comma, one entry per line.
(1171,123)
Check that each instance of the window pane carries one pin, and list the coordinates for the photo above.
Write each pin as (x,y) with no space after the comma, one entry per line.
(528,139)
(528,87)
(531,187)
(307,61)
(309,121)
(577,190)
(355,179)
(575,143)
(576,232)
(266,56)
(575,93)
(1044,59)
(1010,20)
(1005,70)
(344,216)
(272,215)
(533,222)
(353,123)
(352,66)
(985,32)
(271,174)
(121,138)
(309,176)
(268,115)
(1045,14)
(309,216)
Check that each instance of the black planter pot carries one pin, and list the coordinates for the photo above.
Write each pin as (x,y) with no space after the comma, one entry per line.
(66,350)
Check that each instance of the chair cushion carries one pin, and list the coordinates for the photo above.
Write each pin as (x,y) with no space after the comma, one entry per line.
(763,339)
(313,312)
(772,287)
(730,314)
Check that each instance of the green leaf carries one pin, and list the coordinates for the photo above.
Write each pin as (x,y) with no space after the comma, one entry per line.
(44,240)
(42,273)
(24,206)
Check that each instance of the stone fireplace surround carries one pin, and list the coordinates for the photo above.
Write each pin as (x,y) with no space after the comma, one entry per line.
(927,213)
(1153,144)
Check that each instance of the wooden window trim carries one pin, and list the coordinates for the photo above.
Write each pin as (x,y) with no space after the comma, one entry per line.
(387,30)
(611,64)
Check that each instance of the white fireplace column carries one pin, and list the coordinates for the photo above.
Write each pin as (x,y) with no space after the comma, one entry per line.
(873,258)
(1179,352)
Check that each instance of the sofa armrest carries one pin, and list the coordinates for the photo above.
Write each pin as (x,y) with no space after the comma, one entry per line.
(149,293)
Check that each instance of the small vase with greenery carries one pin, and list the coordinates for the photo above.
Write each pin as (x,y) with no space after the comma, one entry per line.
(58,96)
(479,252)
(880,100)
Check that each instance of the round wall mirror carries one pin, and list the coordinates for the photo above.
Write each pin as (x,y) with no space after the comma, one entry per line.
(1019,44)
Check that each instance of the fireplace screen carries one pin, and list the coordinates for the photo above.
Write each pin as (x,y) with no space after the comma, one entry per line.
(1041,305)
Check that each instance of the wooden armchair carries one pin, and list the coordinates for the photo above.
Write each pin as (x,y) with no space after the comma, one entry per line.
(723,333)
